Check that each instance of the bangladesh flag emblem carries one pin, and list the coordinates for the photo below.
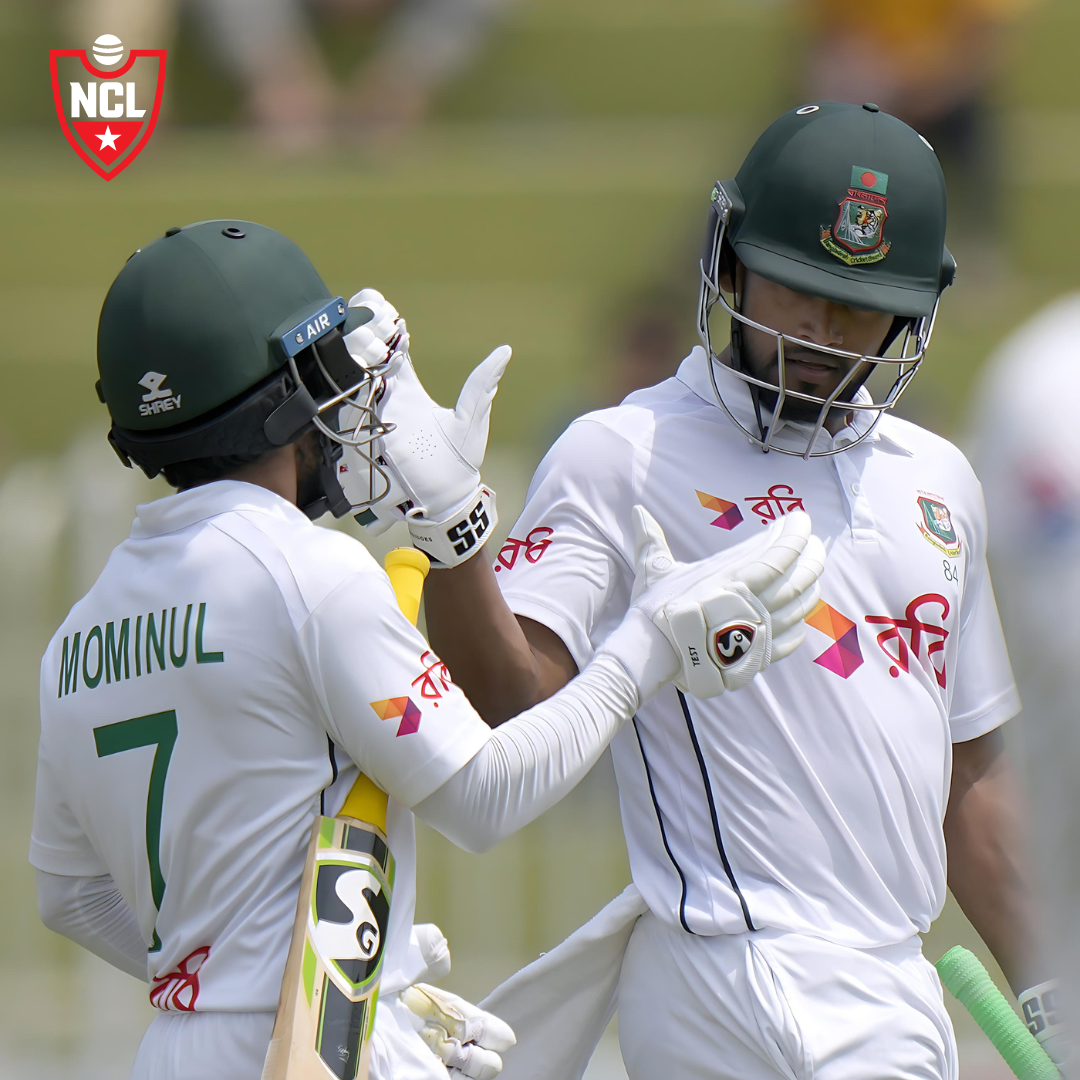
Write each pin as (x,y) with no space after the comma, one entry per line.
(857,237)
(869,180)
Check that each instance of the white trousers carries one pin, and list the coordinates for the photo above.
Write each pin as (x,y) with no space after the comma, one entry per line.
(204,1046)
(232,1046)
(777,1006)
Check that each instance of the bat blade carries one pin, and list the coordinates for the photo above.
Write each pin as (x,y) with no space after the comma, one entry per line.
(331,984)
(330,989)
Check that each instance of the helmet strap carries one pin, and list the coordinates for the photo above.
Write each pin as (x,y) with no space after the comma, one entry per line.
(329,498)
(738,354)
(899,324)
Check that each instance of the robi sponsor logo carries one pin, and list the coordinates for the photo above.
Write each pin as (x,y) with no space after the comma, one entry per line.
(107,116)
(403,707)
(532,548)
(844,656)
(178,991)
(920,634)
(730,514)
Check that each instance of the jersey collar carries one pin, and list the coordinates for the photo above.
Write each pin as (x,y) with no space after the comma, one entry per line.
(694,373)
(175,512)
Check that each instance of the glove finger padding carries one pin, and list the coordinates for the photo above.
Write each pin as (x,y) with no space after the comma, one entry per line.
(458,1018)
(468,1060)
(373,328)
(799,577)
(798,592)
(785,546)
(465,1060)
(710,612)
(786,643)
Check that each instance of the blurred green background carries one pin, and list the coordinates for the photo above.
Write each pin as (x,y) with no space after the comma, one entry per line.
(558,183)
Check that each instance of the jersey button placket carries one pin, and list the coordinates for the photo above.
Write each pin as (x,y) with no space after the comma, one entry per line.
(848,467)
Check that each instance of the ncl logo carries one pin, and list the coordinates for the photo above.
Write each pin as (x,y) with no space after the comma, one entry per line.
(107,116)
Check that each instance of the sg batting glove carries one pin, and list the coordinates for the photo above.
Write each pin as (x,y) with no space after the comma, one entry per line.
(1040,1011)
(431,455)
(465,1038)
(724,618)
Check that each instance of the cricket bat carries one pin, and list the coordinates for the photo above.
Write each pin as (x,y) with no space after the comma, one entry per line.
(326,1011)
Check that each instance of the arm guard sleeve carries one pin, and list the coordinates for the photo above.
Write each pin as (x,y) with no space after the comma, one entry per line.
(533,760)
(91,912)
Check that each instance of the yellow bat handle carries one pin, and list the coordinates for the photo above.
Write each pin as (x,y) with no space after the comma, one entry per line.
(406,568)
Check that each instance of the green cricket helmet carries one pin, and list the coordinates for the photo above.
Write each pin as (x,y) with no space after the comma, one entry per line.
(842,202)
(220,339)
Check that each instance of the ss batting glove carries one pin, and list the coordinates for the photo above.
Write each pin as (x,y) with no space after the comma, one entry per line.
(724,618)
(430,456)
(1039,1008)
(466,1039)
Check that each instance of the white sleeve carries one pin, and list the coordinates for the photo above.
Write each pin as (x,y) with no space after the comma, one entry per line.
(983,693)
(57,841)
(386,698)
(568,561)
(533,760)
(92,913)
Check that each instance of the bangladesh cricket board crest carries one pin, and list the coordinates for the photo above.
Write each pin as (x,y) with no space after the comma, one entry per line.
(936,525)
(107,103)
(857,237)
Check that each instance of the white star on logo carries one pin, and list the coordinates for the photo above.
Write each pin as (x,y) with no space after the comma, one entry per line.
(108,139)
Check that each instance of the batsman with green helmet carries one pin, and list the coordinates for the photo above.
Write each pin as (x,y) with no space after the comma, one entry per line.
(234,665)
(788,843)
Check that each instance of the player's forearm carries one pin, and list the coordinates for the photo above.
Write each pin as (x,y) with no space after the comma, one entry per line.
(986,866)
(534,759)
(480,640)
(92,913)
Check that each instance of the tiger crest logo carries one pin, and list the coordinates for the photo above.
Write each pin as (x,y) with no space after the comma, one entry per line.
(857,237)
(937,525)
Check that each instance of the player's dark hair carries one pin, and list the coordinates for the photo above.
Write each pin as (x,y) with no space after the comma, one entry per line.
(189,474)
(242,439)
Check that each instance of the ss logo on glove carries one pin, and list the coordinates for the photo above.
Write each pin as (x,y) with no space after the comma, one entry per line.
(733,642)
(469,531)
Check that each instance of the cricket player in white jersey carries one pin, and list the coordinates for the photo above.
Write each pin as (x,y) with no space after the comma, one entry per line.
(788,843)
(234,664)
(1027,450)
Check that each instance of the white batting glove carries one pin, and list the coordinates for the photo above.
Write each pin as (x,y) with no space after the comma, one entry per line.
(432,455)
(1039,1008)
(373,329)
(466,1039)
(724,618)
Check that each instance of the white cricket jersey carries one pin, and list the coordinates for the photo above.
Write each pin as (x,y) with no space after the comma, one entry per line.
(1028,455)
(813,799)
(196,706)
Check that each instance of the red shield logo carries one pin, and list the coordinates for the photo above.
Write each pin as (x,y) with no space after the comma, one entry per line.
(107,116)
